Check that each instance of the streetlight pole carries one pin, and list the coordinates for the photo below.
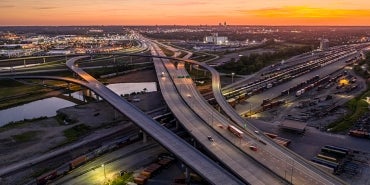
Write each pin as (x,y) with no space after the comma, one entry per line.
(232,77)
(105,176)
(212,117)
(291,175)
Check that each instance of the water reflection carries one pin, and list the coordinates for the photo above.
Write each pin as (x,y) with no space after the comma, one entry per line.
(127,88)
(49,106)
(118,88)
(45,107)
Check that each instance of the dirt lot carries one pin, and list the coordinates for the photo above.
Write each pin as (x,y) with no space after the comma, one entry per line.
(48,133)
(141,76)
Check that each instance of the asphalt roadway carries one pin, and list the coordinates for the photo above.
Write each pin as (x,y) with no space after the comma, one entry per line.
(204,166)
(225,152)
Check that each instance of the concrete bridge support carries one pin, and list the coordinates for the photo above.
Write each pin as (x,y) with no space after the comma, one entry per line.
(177,126)
(187,175)
(145,137)
(69,89)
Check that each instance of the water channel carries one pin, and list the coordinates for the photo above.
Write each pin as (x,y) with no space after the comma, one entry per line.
(49,106)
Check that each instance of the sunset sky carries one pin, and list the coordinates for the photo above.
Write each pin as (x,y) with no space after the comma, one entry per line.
(184,12)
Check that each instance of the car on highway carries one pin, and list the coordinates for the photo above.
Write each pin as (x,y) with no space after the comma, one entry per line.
(210,138)
(254,148)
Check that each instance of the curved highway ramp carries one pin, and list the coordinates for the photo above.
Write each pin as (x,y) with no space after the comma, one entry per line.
(197,161)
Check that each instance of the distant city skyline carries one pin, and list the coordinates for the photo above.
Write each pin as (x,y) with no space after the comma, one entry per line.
(182,12)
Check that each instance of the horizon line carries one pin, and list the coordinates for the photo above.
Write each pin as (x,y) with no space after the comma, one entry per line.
(102,25)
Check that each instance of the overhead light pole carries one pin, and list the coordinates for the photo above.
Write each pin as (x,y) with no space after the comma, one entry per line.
(232,77)
(105,175)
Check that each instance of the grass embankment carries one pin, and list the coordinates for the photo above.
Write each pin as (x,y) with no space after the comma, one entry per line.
(75,132)
(166,51)
(123,180)
(26,136)
(16,124)
(357,107)
(14,93)
(199,75)
(201,57)
(182,54)
(120,67)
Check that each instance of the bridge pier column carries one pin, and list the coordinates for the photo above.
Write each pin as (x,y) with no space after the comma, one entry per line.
(187,175)
(177,125)
(145,137)
(84,98)
(115,114)
(44,60)
(69,88)
(24,63)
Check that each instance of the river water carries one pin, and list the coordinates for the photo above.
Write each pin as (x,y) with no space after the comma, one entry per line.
(45,107)
(49,106)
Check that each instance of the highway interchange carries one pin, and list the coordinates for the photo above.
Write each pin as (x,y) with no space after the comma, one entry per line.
(296,169)
(277,165)
(225,152)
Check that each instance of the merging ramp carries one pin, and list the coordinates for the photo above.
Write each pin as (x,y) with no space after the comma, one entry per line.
(200,163)
(185,152)
(195,121)
(282,161)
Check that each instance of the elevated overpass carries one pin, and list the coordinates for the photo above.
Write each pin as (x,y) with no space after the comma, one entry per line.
(303,170)
(200,163)
(280,160)
(226,153)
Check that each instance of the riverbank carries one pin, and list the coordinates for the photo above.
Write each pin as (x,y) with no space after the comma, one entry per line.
(35,137)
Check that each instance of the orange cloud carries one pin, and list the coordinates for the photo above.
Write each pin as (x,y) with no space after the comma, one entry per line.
(308,12)
(306,15)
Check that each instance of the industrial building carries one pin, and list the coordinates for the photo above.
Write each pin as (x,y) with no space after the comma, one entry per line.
(324,44)
(215,39)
